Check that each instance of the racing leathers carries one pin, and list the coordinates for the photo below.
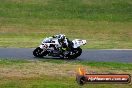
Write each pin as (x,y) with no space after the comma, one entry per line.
(66,44)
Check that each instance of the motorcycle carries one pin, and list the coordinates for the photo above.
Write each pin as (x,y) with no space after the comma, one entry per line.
(51,47)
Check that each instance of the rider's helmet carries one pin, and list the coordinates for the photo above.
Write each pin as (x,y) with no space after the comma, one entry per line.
(61,37)
(55,36)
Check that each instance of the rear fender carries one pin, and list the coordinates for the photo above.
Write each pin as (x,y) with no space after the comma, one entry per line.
(78,42)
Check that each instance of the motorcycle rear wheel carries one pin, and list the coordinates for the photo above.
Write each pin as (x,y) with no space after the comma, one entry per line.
(77,51)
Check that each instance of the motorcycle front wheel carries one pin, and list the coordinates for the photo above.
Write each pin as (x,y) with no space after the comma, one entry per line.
(38,52)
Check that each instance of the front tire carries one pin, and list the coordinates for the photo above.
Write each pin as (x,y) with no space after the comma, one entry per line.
(38,52)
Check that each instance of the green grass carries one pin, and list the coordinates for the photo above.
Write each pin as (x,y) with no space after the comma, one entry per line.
(103,23)
(12,61)
(15,73)
(53,82)
(114,10)
(111,65)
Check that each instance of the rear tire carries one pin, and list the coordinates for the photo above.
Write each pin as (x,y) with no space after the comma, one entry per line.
(77,51)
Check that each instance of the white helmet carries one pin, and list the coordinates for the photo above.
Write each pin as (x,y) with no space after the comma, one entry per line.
(61,37)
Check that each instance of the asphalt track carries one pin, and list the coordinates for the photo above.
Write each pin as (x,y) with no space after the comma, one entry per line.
(87,55)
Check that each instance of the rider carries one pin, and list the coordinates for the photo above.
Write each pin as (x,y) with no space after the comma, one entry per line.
(63,40)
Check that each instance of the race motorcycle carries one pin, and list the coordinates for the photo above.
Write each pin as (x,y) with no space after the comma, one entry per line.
(52,47)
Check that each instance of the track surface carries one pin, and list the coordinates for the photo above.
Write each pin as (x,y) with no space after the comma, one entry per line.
(89,55)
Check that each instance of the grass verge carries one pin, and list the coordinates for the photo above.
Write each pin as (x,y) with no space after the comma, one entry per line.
(50,73)
(103,23)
